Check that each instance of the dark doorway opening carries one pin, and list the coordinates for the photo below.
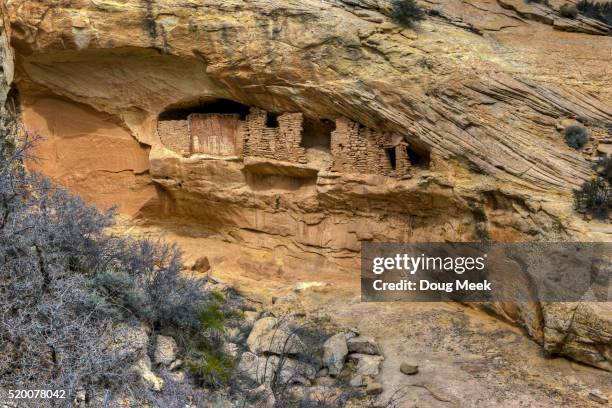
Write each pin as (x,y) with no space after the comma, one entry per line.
(391,157)
(317,133)
(223,106)
(418,157)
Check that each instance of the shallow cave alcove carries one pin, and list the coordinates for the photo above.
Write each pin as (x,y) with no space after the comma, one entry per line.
(316,139)
(418,157)
(221,106)
(207,127)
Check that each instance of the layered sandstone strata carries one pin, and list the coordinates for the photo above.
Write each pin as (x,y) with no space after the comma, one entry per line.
(477,91)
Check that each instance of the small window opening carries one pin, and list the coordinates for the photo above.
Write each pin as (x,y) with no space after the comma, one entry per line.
(391,156)
(272,120)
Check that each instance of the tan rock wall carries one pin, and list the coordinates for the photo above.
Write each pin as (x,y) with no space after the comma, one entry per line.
(89,153)
(479,85)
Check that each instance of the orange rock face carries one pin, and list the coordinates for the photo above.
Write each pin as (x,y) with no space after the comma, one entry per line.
(465,111)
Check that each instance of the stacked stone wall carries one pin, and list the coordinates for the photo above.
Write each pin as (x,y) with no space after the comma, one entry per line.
(175,136)
(354,148)
(359,149)
(403,165)
(290,138)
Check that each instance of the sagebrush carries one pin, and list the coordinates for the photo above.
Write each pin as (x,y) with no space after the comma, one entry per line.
(576,136)
(594,198)
(568,11)
(67,287)
(407,12)
(601,11)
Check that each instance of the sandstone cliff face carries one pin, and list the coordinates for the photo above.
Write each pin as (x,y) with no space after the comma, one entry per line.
(480,89)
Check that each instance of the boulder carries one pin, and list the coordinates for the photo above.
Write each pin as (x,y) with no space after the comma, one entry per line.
(178,376)
(143,368)
(409,368)
(604,149)
(128,342)
(367,364)
(251,317)
(357,381)
(374,388)
(201,265)
(581,330)
(165,350)
(598,396)
(303,286)
(262,396)
(176,364)
(326,381)
(335,351)
(231,350)
(363,345)
(284,299)
(271,336)
(264,369)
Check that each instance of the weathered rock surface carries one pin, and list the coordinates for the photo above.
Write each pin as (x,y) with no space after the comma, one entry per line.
(201,265)
(363,345)
(128,342)
(266,369)
(334,353)
(478,87)
(367,365)
(582,330)
(374,388)
(165,350)
(409,368)
(143,368)
(269,335)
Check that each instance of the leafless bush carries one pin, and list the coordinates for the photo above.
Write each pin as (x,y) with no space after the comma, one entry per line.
(65,285)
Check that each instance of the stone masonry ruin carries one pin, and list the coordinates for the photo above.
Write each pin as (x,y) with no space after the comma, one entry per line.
(286,138)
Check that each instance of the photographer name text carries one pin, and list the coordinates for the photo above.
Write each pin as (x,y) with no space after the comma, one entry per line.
(422,284)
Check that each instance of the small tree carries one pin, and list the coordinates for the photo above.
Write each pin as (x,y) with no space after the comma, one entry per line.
(576,136)
(568,11)
(594,198)
(407,12)
(601,11)
(604,168)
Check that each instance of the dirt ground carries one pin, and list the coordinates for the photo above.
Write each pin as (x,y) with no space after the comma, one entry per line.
(466,357)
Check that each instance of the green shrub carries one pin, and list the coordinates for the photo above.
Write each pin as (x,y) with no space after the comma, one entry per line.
(67,286)
(601,11)
(568,11)
(594,198)
(202,348)
(604,168)
(212,317)
(576,136)
(209,367)
(407,12)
